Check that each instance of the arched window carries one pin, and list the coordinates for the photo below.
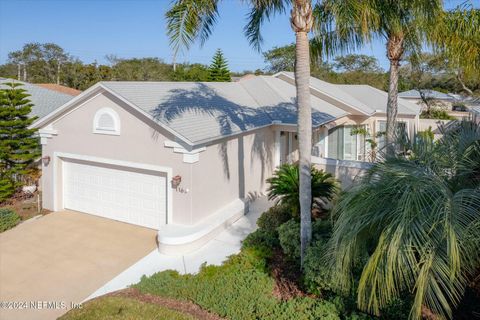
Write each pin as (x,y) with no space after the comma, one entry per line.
(106,121)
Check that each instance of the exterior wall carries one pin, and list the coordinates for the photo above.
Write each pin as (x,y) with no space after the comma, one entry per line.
(204,187)
(230,169)
(345,171)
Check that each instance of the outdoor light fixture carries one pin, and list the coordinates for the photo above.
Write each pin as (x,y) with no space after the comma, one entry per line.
(46,160)
(176,181)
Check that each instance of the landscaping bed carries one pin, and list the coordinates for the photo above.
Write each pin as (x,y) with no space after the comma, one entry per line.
(122,307)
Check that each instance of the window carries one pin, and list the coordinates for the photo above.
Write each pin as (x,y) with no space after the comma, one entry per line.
(402,132)
(106,121)
(343,145)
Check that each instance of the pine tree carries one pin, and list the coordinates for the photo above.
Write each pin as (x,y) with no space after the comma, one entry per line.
(219,68)
(19,146)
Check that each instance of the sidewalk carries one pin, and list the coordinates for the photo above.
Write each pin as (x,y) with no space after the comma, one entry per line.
(214,252)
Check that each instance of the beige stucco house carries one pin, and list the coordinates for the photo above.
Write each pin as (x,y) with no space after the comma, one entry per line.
(186,158)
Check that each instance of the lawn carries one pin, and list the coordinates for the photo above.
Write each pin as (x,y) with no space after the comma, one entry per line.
(123,308)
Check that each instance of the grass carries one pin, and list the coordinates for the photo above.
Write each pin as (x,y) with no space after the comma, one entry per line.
(123,308)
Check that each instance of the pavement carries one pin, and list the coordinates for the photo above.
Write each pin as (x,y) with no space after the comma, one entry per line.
(214,252)
(51,263)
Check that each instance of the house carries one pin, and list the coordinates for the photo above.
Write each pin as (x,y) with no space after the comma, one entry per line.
(185,158)
(59,88)
(443,99)
(44,99)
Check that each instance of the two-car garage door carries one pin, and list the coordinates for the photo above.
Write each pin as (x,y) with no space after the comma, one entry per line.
(119,193)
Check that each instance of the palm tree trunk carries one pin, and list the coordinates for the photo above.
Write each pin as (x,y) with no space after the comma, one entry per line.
(301,21)
(394,54)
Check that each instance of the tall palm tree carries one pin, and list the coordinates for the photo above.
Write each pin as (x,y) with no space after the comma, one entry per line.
(343,24)
(412,224)
(191,20)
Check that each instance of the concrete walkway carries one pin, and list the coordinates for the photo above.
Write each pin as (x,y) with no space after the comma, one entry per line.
(214,252)
(46,264)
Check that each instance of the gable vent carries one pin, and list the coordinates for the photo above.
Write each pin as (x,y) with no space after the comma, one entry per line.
(106,122)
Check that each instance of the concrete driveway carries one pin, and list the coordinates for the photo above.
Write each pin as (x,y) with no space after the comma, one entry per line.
(52,262)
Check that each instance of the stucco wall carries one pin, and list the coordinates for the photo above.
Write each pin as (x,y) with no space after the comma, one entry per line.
(209,186)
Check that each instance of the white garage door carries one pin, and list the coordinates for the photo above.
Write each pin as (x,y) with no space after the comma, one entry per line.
(115,193)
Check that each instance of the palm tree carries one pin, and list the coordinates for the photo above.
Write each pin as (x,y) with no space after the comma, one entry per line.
(284,186)
(189,20)
(458,38)
(412,224)
(346,24)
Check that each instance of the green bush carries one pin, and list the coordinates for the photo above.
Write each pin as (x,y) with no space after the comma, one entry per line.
(240,289)
(261,238)
(274,217)
(8,219)
(317,276)
(289,237)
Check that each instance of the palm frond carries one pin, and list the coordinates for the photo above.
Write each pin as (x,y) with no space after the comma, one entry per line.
(261,10)
(421,213)
(189,20)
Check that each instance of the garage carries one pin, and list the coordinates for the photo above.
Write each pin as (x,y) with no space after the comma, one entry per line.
(120,193)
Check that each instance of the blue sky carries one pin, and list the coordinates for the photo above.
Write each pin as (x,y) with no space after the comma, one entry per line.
(91,29)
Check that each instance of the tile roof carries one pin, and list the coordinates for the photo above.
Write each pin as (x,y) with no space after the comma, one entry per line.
(59,88)
(44,100)
(415,94)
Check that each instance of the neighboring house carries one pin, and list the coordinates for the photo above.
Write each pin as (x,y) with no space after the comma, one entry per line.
(184,158)
(59,88)
(44,100)
(440,98)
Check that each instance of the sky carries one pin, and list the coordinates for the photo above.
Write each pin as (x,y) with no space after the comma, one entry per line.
(92,29)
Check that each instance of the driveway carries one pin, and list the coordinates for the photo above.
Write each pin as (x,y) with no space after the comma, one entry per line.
(48,263)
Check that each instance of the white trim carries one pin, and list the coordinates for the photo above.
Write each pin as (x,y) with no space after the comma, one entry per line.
(277,151)
(46,133)
(189,156)
(116,122)
(143,166)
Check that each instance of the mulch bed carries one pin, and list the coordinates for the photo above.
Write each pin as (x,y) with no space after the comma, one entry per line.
(185,307)
(24,204)
(287,277)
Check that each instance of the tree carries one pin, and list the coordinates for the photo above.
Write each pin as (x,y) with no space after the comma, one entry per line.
(457,37)
(284,186)
(357,63)
(346,24)
(412,224)
(218,70)
(19,146)
(38,62)
(280,58)
(190,20)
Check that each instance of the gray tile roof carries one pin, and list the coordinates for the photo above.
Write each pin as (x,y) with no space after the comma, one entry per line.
(415,94)
(364,98)
(44,100)
(377,99)
(204,111)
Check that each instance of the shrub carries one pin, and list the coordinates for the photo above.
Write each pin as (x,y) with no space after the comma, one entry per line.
(289,237)
(8,219)
(284,186)
(240,289)
(261,239)
(317,276)
(274,217)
